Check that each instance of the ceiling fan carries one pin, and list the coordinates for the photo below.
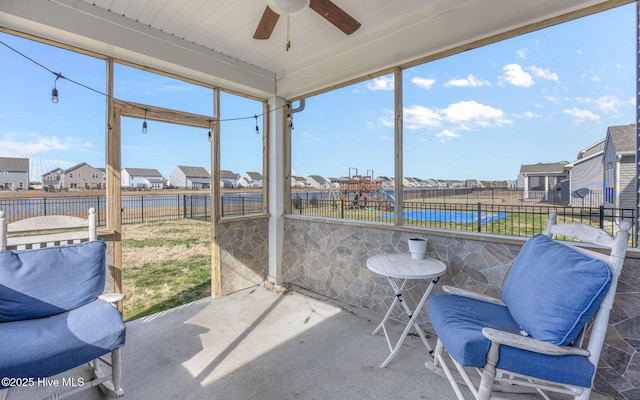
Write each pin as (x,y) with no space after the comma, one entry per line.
(326,8)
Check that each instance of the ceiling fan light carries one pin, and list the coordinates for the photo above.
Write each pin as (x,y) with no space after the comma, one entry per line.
(288,7)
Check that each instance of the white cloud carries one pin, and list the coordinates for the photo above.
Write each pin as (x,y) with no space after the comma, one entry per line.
(522,53)
(552,99)
(581,115)
(463,115)
(424,83)
(386,119)
(515,75)
(387,138)
(606,104)
(469,81)
(446,135)
(609,104)
(29,144)
(307,135)
(528,114)
(544,73)
(417,117)
(466,112)
(381,83)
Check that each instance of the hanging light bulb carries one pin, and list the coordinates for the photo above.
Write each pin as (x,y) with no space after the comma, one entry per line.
(257,130)
(144,123)
(54,91)
(210,139)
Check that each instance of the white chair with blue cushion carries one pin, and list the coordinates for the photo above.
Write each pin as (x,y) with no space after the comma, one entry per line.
(531,339)
(54,317)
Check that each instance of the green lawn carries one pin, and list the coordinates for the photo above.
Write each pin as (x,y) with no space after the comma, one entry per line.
(165,264)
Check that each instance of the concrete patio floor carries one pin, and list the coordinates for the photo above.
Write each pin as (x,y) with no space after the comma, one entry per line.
(268,344)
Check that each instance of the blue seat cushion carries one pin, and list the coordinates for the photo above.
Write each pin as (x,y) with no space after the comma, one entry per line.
(43,282)
(458,322)
(45,347)
(552,290)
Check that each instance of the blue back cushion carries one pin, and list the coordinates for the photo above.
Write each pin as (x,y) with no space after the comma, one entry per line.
(553,290)
(48,281)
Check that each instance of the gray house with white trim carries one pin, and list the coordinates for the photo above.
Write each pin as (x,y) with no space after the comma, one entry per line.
(83,176)
(619,167)
(586,177)
(141,178)
(185,177)
(14,173)
(251,180)
(51,179)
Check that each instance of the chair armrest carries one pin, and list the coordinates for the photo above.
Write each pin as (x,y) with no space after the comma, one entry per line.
(531,344)
(111,297)
(472,295)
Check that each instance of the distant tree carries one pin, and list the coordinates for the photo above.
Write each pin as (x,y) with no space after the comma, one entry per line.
(297,202)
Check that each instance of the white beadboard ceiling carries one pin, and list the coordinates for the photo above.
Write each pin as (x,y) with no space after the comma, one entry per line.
(211,40)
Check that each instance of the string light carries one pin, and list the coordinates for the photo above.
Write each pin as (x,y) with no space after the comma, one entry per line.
(210,139)
(290,117)
(58,75)
(54,91)
(144,123)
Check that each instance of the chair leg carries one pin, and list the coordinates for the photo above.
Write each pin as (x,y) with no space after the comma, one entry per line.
(437,352)
(489,372)
(110,387)
(116,370)
(586,393)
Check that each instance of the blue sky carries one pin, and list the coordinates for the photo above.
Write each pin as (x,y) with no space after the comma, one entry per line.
(481,114)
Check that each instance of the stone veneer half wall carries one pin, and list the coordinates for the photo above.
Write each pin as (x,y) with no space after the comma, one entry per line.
(329,257)
(244,253)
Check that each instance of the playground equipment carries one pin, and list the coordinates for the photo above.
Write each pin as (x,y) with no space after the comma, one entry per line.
(387,195)
(359,189)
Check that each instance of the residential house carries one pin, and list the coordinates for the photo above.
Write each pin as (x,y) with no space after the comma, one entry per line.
(250,180)
(190,178)
(141,178)
(318,182)
(82,176)
(619,167)
(14,173)
(51,180)
(541,181)
(228,179)
(431,182)
(455,183)
(298,182)
(410,182)
(471,183)
(586,177)
(386,181)
(335,183)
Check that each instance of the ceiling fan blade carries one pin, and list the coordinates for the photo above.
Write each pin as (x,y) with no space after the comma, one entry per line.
(336,15)
(267,24)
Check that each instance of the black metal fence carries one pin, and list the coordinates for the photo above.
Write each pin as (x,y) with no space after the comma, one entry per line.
(511,220)
(139,208)
(486,217)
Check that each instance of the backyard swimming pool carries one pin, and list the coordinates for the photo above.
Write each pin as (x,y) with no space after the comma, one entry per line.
(458,217)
